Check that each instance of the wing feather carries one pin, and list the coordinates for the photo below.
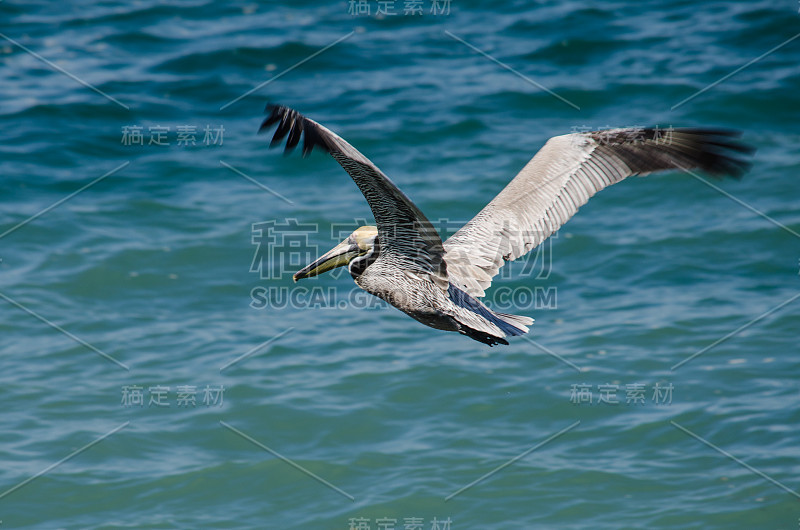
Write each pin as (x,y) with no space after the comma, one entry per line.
(562,177)
(406,236)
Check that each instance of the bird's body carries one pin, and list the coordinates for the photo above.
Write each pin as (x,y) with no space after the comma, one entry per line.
(448,310)
(404,261)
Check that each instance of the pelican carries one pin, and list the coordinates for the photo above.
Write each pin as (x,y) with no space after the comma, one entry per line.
(402,259)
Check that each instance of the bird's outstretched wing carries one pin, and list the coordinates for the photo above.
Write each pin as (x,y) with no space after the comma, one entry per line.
(562,176)
(405,234)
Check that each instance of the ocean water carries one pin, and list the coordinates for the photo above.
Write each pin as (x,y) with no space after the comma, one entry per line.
(161,370)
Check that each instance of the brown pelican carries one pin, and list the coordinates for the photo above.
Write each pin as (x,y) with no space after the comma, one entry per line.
(404,261)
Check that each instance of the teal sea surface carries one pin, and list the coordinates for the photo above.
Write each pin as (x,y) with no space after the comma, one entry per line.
(160,368)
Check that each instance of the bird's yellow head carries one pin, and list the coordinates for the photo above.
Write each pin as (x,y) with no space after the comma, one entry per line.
(359,245)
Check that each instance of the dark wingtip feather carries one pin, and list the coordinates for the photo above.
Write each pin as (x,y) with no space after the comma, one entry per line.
(716,152)
(275,115)
(295,125)
(721,153)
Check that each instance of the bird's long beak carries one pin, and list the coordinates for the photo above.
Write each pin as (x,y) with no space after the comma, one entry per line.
(340,255)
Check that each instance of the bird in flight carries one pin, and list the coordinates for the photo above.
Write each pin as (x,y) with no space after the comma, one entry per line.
(402,259)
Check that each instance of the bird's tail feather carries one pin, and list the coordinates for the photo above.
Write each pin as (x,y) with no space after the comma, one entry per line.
(518,323)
